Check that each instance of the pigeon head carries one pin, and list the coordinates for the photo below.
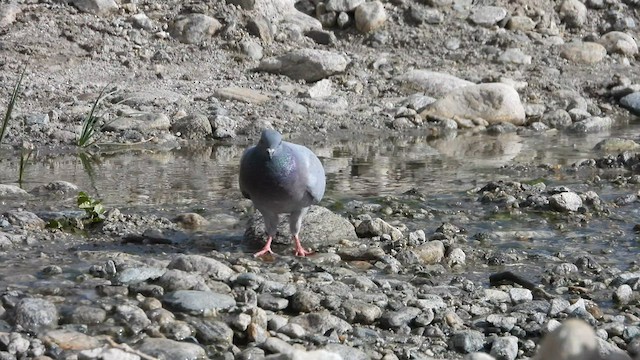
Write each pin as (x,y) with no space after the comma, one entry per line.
(270,141)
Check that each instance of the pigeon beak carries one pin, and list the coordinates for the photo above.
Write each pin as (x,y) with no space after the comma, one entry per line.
(270,151)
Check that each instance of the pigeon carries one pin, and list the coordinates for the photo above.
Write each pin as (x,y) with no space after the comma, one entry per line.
(281,178)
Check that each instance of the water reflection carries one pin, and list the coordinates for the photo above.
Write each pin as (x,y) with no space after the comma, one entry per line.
(206,176)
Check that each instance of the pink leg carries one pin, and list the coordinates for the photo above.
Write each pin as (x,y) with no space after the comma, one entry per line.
(300,251)
(265,249)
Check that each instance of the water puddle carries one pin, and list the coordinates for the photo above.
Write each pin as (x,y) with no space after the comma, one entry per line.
(444,170)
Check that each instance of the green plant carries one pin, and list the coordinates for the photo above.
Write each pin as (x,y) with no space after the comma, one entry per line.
(25,155)
(91,125)
(92,207)
(12,102)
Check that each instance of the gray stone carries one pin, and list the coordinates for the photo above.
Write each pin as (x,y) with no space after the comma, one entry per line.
(623,294)
(347,352)
(432,84)
(8,14)
(478,356)
(234,93)
(487,16)
(520,295)
(24,219)
(195,126)
(355,310)
(171,349)
(56,188)
(522,23)
(514,56)
(223,127)
(343,5)
(12,191)
(305,64)
(212,332)
(305,301)
(36,119)
(198,302)
(557,119)
(431,252)
(467,341)
(305,355)
(143,122)
(84,314)
(573,13)
(35,315)
(370,16)
(142,21)
(504,322)
(583,52)
(321,322)
(505,348)
(377,227)
(565,201)
(320,89)
(320,226)
(631,102)
(193,28)
(616,145)
(294,331)
(206,266)
(395,319)
(593,124)
(96,7)
(252,49)
(322,37)
(135,275)
(492,102)
(174,279)
(133,317)
(619,42)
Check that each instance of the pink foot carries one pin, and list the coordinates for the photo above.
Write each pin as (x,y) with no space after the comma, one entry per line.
(300,251)
(266,249)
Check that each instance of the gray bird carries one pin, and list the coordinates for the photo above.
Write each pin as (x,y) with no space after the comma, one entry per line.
(281,178)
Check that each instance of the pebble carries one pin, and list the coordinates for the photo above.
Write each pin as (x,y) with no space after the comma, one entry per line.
(198,302)
(505,348)
(522,23)
(514,56)
(96,7)
(171,349)
(204,265)
(143,122)
(370,16)
(12,191)
(343,5)
(234,93)
(468,341)
(594,124)
(631,102)
(305,64)
(8,14)
(193,28)
(487,16)
(191,127)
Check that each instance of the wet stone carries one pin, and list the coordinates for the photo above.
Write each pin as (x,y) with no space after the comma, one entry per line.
(467,341)
(358,311)
(505,348)
(305,301)
(174,279)
(212,332)
(271,302)
(321,322)
(198,302)
(87,315)
(631,102)
(170,349)
(565,201)
(623,294)
(35,315)
(72,340)
(196,126)
(12,191)
(347,352)
(395,319)
(24,219)
(135,275)
(133,317)
(207,266)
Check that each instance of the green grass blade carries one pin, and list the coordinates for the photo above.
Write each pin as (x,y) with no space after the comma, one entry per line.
(12,102)
(90,126)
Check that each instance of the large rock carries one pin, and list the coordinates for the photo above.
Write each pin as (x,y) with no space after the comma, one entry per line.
(193,28)
(305,64)
(431,83)
(34,315)
(583,52)
(619,42)
(492,102)
(319,226)
(12,191)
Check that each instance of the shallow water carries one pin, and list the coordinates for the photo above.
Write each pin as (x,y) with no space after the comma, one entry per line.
(445,170)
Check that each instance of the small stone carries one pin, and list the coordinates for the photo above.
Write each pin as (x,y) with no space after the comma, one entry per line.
(592,124)
(565,201)
(573,340)
(343,5)
(522,23)
(171,349)
(252,49)
(245,95)
(96,7)
(370,16)
(8,14)
(520,295)
(514,56)
(305,64)
(505,348)
(623,294)
(631,102)
(191,127)
(619,42)
(487,16)
(467,341)
(35,315)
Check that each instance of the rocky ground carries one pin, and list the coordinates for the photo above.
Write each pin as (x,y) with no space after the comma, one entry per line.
(174,73)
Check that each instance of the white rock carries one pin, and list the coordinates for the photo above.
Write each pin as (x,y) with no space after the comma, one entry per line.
(431,83)
(619,42)
(370,16)
(573,340)
(97,7)
(491,102)
(514,56)
(193,28)
(487,15)
(343,5)
(8,13)
(583,52)
(12,191)
(573,13)
(305,64)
